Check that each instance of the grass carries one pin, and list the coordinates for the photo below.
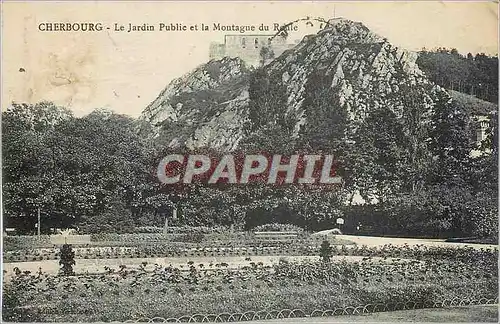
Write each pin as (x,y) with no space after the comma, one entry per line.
(470,314)
(474,240)
(471,103)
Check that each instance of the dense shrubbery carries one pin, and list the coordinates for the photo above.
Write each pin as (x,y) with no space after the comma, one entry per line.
(181,229)
(25,242)
(476,75)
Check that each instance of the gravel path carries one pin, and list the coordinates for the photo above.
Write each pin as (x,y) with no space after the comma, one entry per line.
(379,241)
(97,265)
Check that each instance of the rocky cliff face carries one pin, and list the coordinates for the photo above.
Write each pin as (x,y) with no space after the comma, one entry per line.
(208,107)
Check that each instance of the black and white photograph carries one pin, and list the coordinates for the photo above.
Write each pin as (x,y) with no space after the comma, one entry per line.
(249,161)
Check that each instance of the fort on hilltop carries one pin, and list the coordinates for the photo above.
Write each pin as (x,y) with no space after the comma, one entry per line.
(248,47)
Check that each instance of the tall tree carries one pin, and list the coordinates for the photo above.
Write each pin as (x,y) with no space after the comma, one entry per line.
(28,159)
(69,167)
(450,141)
(327,120)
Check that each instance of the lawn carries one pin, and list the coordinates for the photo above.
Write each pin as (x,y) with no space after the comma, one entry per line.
(470,314)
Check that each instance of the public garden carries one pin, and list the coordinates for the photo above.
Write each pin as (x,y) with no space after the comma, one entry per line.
(192,274)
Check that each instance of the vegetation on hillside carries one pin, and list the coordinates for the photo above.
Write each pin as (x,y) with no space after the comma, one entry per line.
(476,75)
(97,173)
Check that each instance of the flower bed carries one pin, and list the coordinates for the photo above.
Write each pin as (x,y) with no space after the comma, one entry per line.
(440,274)
(276,227)
(244,247)
(182,229)
(247,246)
(24,242)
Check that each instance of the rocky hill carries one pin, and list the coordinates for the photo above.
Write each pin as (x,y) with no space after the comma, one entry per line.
(208,107)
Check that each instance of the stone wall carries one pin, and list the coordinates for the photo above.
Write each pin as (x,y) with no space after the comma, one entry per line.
(248,47)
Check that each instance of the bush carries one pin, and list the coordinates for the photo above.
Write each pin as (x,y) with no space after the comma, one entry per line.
(148,229)
(116,219)
(276,227)
(482,217)
(105,237)
(325,251)
(67,260)
(190,238)
(442,211)
(25,242)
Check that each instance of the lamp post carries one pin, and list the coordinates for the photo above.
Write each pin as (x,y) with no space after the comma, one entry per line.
(38,223)
(174,217)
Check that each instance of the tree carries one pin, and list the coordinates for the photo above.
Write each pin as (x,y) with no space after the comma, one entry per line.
(416,157)
(325,251)
(266,54)
(450,142)
(327,119)
(69,166)
(473,74)
(378,162)
(67,260)
(115,218)
(28,160)
(268,100)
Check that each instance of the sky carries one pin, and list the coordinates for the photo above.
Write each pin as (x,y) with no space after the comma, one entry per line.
(126,71)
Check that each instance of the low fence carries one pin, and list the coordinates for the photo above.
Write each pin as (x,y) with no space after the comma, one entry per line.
(298,313)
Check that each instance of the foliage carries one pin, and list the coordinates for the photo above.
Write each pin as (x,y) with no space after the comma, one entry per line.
(266,54)
(181,229)
(419,274)
(277,227)
(25,242)
(327,119)
(476,75)
(74,167)
(408,157)
(148,229)
(191,238)
(114,219)
(379,166)
(270,124)
(450,142)
(483,216)
(325,251)
(268,99)
(102,237)
(67,260)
